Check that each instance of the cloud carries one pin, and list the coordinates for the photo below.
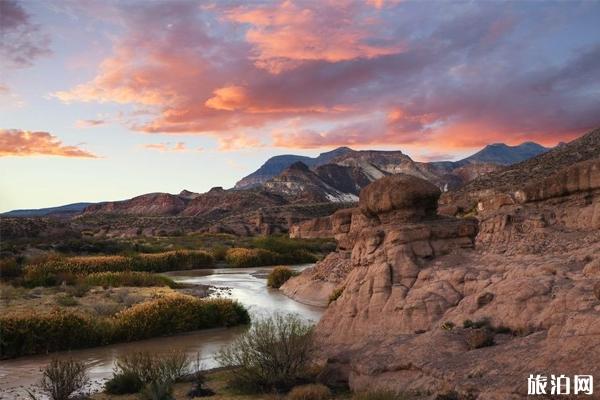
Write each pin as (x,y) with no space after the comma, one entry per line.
(89,123)
(20,143)
(167,147)
(321,74)
(22,41)
(287,33)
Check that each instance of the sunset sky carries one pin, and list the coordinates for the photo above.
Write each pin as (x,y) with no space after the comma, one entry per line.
(104,100)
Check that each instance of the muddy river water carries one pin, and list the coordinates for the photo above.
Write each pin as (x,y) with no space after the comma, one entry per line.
(247,285)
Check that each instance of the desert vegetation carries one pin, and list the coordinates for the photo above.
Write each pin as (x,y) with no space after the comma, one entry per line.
(272,355)
(31,332)
(279,275)
(67,269)
(63,379)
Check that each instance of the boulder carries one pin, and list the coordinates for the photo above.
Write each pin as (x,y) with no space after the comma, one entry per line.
(410,197)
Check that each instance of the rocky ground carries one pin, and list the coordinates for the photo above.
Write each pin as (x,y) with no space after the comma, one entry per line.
(435,305)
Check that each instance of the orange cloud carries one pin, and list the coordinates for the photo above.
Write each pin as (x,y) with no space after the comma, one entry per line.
(167,147)
(16,142)
(285,34)
(228,98)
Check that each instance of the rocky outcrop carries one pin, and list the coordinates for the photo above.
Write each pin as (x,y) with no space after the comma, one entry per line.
(402,205)
(424,310)
(312,228)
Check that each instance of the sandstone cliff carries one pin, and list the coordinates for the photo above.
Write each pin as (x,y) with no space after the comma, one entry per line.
(435,305)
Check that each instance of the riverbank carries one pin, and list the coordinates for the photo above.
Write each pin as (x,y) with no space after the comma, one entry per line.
(246,285)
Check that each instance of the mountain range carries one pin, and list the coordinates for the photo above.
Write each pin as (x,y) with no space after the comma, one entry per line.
(335,176)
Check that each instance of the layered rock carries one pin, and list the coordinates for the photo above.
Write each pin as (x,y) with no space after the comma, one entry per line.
(415,281)
(395,226)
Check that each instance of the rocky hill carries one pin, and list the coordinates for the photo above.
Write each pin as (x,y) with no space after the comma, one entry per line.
(464,308)
(67,210)
(375,164)
(502,154)
(504,182)
(276,165)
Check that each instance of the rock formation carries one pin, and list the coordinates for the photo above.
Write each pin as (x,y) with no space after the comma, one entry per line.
(428,307)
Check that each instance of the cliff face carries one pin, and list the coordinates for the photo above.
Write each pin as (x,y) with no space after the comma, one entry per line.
(528,274)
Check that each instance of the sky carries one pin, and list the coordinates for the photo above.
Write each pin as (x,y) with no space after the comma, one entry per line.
(105,100)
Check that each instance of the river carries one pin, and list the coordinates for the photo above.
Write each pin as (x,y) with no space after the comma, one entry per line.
(247,285)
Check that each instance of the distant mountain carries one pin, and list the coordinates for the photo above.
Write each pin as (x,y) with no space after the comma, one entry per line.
(502,154)
(301,185)
(335,176)
(276,165)
(543,165)
(62,211)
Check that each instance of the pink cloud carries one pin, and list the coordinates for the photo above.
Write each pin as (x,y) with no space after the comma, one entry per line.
(19,143)
(168,147)
(321,74)
(287,33)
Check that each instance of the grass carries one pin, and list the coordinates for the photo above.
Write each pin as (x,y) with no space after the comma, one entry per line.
(67,269)
(31,332)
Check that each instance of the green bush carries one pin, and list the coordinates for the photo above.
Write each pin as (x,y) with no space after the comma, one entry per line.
(272,355)
(242,257)
(61,379)
(310,392)
(279,275)
(123,383)
(127,278)
(33,333)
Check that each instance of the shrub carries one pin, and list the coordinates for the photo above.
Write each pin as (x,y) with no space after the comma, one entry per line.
(25,334)
(56,270)
(33,333)
(123,383)
(336,294)
(157,390)
(78,290)
(241,257)
(219,253)
(60,379)
(286,245)
(10,268)
(380,395)
(310,392)
(128,278)
(147,367)
(279,275)
(272,355)
(197,389)
(66,301)
(448,325)
(175,314)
